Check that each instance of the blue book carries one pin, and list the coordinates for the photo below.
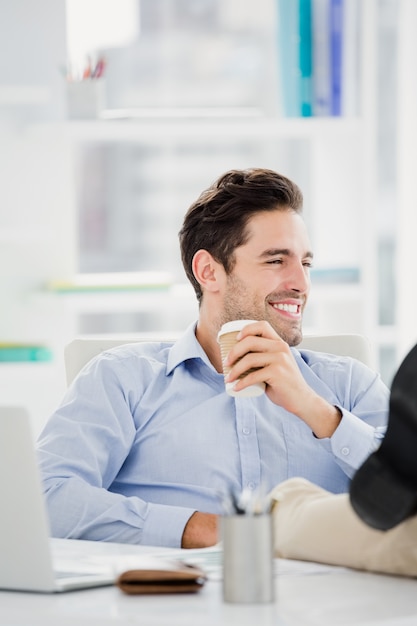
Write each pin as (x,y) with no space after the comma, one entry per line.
(288,53)
(321,58)
(305,57)
(15,352)
(336,47)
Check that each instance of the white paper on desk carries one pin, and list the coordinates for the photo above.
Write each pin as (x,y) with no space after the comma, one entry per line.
(211,561)
(208,559)
(146,562)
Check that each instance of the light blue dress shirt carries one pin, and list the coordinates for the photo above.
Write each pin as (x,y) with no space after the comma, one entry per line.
(146,435)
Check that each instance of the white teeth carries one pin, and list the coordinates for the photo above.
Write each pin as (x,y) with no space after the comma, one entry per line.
(290,308)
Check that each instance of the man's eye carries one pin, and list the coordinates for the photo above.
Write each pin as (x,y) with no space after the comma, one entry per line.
(307,263)
(275,262)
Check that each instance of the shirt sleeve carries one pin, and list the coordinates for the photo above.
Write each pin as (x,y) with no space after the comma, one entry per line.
(81,451)
(363,399)
(353,441)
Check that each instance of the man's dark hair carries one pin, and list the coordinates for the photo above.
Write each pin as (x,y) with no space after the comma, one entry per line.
(217,220)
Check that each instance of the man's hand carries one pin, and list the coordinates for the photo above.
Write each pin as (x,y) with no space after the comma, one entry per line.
(201,531)
(261,348)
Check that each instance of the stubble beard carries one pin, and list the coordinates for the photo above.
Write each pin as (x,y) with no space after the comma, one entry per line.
(238,304)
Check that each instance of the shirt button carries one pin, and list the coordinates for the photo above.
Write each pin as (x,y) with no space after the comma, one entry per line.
(251,486)
(345,451)
(246,431)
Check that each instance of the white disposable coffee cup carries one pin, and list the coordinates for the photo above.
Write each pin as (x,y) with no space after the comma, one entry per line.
(226,338)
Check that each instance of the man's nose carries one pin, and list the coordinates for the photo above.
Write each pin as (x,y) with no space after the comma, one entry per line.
(298,278)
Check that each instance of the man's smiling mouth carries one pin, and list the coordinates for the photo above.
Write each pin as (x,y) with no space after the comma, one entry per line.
(288,308)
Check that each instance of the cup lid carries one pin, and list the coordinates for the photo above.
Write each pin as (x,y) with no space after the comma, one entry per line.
(230,327)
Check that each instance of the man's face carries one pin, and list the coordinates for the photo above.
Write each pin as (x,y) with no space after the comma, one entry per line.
(271,277)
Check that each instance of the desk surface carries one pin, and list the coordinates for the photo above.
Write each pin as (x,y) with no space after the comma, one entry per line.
(306,594)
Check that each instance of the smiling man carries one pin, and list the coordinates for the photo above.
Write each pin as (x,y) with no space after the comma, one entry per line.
(146,442)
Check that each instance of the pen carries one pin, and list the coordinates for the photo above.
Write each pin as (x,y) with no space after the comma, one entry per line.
(247,502)
(99,68)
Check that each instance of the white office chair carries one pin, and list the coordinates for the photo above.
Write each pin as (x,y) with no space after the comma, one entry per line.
(82,349)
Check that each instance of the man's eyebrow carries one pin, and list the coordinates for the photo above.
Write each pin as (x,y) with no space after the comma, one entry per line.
(283,252)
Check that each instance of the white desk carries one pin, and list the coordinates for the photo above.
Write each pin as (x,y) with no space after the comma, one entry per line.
(306,595)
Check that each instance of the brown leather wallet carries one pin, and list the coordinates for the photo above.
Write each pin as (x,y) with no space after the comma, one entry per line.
(180,577)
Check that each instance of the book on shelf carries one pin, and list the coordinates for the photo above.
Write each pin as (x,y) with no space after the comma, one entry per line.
(295,56)
(11,352)
(305,58)
(111,282)
(288,53)
(336,46)
(321,59)
(318,57)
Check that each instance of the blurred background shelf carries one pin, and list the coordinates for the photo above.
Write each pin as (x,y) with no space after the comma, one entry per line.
(195,129)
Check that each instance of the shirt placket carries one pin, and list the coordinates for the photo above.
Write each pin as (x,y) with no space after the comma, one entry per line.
(248,443)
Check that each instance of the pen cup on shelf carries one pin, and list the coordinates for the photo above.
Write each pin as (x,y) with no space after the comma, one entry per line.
(248,575)
(227,339)
(85,98)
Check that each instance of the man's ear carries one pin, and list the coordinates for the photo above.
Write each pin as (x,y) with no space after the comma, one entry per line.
(207,271)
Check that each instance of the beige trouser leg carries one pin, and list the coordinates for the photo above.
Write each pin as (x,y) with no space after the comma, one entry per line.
(312,524)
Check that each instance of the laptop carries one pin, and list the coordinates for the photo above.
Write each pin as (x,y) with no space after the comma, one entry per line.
(26,557)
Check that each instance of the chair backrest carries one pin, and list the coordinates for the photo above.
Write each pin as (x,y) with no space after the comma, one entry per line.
(354,345)
(82,349)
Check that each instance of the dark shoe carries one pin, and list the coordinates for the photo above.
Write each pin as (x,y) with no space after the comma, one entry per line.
(383,492)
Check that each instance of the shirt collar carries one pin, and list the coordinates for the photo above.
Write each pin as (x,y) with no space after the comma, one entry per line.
(186,347)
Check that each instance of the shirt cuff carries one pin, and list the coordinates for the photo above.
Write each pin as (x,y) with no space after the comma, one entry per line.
(352,442)
(164,525)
